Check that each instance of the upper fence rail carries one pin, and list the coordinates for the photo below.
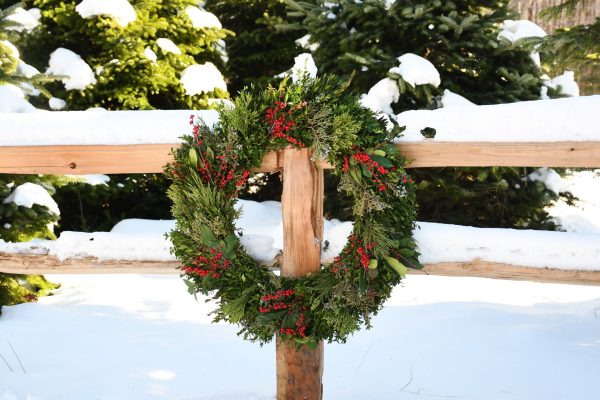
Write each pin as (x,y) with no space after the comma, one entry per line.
(151,158)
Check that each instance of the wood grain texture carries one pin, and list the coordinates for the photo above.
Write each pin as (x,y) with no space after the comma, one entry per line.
(78,160)
(502,154)
(151,158)
(302,212)
(300,369)
(484,269)
(46,264)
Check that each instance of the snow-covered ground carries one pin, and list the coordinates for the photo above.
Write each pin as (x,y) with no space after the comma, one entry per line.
(143,337)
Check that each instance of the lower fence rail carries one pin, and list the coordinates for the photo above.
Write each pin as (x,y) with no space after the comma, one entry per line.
(14,263)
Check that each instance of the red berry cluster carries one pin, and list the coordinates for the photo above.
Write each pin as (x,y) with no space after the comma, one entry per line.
(221,171)
(281,123)
(213,264)
(354,254)
(377,171)
(195,127)
(286,300)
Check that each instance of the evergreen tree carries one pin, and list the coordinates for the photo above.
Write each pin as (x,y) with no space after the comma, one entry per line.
(363,39)
(137,58)
(576,46)
(258,51)
(143,55)
(18,221)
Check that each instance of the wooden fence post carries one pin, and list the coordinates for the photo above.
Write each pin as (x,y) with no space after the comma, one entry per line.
(300,371)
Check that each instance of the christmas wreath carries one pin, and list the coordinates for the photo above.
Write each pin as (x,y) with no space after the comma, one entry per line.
(214,163)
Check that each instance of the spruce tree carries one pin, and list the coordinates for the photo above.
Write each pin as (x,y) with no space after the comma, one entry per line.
(363,39)
(577,47)
(258,51)
(139,60)
(19,221)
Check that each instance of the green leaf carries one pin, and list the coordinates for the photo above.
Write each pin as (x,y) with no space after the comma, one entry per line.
(210,154)
(365,171)
(193,156)
(384,162)
(396,265)
(207,235)
(303,340)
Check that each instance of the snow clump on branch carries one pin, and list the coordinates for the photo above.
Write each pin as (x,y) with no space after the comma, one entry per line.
(202,78)
(122,12)
(202,19)
(28,194)
(416,70)
(168,46)
(304,64)
(78,74)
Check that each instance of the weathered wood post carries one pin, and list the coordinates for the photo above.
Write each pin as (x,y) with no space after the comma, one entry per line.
(300,371)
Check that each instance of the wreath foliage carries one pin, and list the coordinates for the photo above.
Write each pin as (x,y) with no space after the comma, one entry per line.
(215,162)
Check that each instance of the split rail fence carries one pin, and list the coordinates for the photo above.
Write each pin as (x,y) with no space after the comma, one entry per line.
(151,158)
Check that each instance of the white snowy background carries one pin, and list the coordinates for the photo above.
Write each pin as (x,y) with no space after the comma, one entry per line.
(143,337)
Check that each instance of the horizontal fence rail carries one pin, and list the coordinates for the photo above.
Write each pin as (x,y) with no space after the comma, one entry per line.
(48,264)
(151,158)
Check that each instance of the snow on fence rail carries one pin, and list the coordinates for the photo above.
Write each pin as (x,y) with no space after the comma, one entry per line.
(140,142)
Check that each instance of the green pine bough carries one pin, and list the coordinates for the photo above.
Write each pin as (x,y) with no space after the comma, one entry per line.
(214,163)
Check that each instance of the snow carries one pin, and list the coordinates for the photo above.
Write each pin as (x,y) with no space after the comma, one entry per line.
(565,82)
(139,337)
(202,78)
(78,73)
(57,104)
(202,19)
(451,99)
(12,100)
(95,179)
(27,19)
(389,4)
(11,48)
(27,70)
(127,127)
(122,12)
(584,216)
(168,46)
(452,243)
(150,54)
(303,65)
(262,228)
(304,43)
(574,119)
(28,194)
(416,70)
(380,97)
(551,179)
(565,119)
(521,29)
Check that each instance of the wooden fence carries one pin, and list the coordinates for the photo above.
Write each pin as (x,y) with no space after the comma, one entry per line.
(150,158)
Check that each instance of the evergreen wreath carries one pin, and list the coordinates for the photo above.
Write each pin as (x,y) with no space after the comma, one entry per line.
(215,162)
